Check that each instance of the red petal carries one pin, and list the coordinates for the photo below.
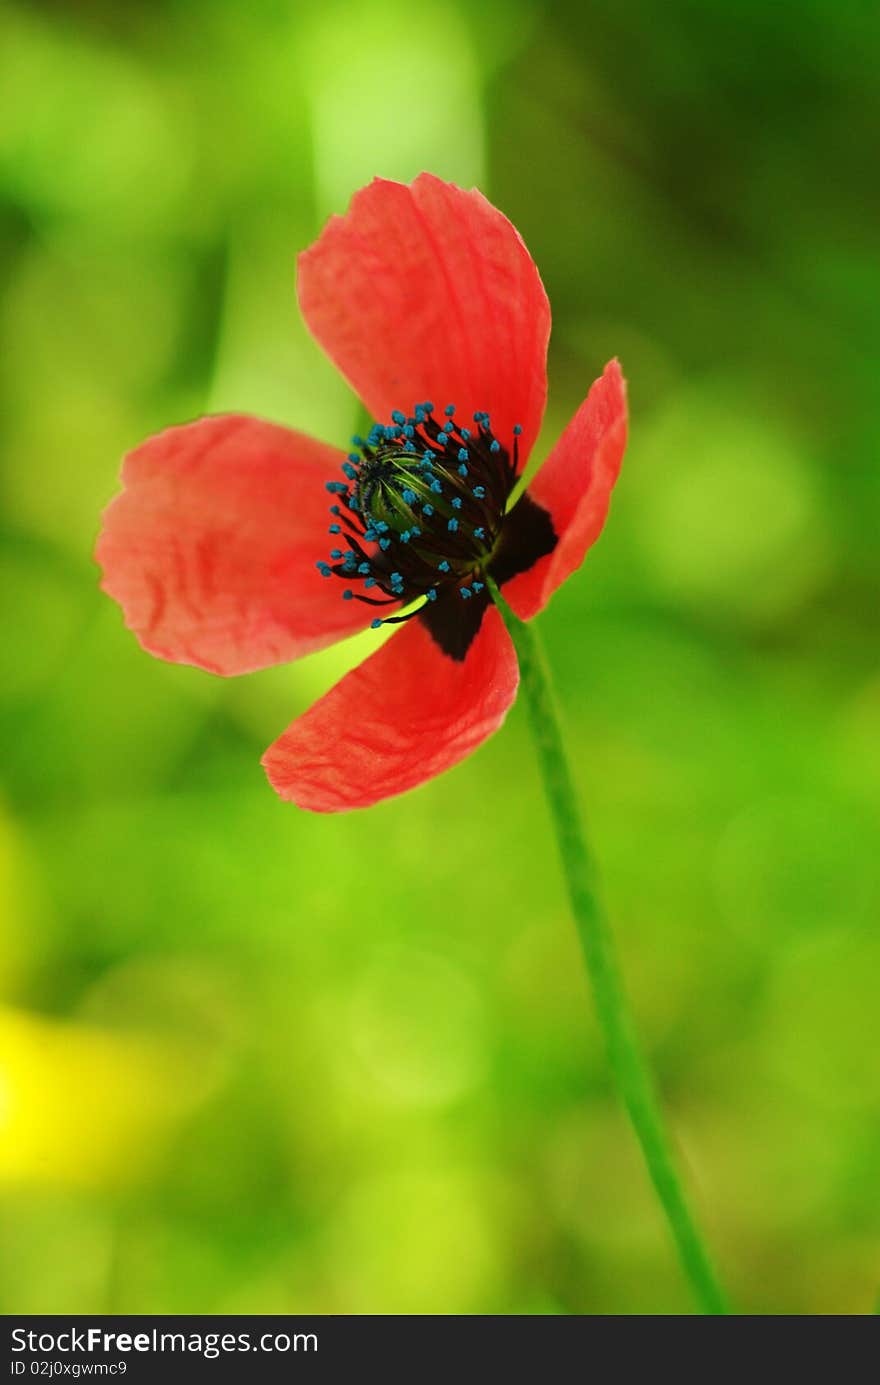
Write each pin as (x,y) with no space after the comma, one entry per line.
(427,292)
(210,549)
(406,714)
(575,485)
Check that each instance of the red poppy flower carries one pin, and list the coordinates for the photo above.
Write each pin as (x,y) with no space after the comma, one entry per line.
(216,548)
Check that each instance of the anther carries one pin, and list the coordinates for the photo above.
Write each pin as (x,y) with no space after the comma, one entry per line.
(448,478)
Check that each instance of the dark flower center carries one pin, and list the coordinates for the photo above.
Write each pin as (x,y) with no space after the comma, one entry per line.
(422,515)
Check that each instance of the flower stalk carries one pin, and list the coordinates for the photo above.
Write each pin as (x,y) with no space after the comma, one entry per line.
(631,1074)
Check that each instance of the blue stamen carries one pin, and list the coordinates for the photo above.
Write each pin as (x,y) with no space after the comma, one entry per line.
(374,624)
(384,479)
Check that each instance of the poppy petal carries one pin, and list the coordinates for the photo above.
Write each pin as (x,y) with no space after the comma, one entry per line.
(574,485)
(427,292)
(210,548)
(407,713)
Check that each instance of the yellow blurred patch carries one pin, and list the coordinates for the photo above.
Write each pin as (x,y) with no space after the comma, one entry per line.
(83,1106)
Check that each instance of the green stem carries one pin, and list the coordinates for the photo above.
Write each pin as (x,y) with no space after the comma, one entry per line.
(633,1079)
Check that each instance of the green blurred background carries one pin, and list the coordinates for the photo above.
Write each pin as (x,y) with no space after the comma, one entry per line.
(253,1060)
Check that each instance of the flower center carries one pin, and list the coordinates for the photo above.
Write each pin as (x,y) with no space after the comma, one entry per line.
(421,509)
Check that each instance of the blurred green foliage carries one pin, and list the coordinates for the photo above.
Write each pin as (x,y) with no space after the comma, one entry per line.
(256,1061)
